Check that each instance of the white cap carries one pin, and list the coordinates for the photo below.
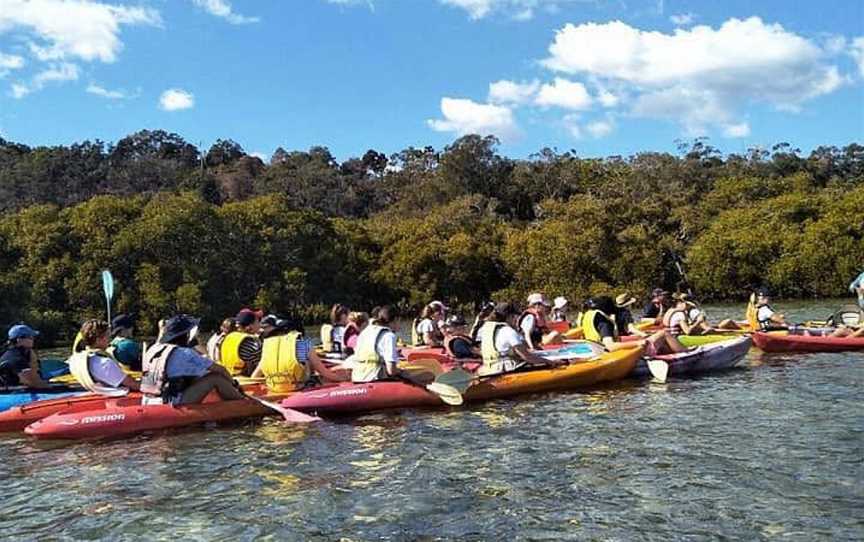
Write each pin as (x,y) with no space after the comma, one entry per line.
(535,298)
(560,302)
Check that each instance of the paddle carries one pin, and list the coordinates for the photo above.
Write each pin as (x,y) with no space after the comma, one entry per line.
(290,415)
(448,394)
(108,288)
(659,369)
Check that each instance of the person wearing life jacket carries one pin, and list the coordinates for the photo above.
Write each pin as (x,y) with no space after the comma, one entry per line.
(766,317)
(19,364)
(94,369)
(268,326)
(176,373)
(426,330)
(333,334)
(214,343)
(696,320)
(559,309)
(289,362)
(598,325)
(123,348)
(240,352)
(376,356)
(485,311)
(624,323)
(532,323)
(502,348)
(357,322)
(457,343)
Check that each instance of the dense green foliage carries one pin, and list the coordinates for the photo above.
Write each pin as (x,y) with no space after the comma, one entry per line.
(209,232)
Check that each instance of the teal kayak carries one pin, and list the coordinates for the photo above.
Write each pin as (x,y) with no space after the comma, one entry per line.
(19,395)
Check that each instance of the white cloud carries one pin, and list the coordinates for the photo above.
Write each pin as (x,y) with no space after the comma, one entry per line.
(564,93)
(600,128)
(519,10)
(607,99)
(83,29)
(55,73)
(701,76)
(682,19)
(463,117)
(571,123)
(223,9)
(741,129)
(175,99)
(9,63)
(97,90)
(503,92)
(857,52)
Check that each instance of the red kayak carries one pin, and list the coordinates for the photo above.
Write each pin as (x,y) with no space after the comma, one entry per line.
(17,418)
(783,342)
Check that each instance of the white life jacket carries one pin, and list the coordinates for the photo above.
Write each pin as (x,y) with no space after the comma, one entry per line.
(368,364)
(79,366)
(155,362)
(214,346)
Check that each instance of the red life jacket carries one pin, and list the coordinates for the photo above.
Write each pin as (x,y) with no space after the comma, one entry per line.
(540,327)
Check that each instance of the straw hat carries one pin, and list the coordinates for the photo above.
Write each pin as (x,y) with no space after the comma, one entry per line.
(624,300)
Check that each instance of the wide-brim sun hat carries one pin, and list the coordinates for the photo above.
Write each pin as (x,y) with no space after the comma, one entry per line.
(624,300)
(537,299)
(560,302)
(180,325)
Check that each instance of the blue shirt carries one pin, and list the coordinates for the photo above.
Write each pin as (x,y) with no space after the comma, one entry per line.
(186,362)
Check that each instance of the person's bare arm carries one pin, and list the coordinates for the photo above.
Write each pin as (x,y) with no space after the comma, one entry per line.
(326,373)
(131,383)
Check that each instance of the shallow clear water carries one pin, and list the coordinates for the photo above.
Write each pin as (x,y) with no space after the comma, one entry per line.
(770,451)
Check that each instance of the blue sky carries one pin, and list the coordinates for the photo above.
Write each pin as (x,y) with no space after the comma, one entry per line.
(600,77)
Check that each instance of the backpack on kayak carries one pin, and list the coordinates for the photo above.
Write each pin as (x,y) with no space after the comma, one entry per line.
(847,315)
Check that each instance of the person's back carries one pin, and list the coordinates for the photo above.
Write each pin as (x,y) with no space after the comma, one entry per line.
(94,368)
(241,350)
(376,355)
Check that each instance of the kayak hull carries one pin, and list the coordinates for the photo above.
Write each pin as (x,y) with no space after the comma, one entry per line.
(349,398)
(126,416)
(782,342)
(715,356)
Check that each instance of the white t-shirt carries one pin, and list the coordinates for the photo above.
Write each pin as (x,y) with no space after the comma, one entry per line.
(338,333)
(694,313)
(506,339)
(764,314)
(425,326)
(678,318)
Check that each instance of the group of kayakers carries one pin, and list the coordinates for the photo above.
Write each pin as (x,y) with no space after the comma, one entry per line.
(177,370)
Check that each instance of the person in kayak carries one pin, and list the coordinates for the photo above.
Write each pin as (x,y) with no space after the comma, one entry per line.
(94,368)
(268,326)
(333,334)
(376,356)
(857,287)
(532,323)
(487,309)
(457,343)
(19,364)
(684,318)
(178,374)
(598,325)
(426,329)
(289,362)
(559,309)
(657,306)
(214,343)
(502,348)
(240,353)
(767,319)
(357,322)
(123,348)
(624,318)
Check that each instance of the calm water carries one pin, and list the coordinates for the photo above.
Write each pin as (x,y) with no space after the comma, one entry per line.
(771,451)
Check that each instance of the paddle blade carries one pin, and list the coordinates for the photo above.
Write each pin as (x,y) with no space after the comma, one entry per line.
(426,364)
(108,284)
(448,394)
(289,414)
(659,369)
(458,378)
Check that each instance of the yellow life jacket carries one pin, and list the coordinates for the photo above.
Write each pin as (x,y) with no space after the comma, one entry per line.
(229,353)
(327,337)
(590,332)
(368,365)
(79,366)
(282,370)
(751,312)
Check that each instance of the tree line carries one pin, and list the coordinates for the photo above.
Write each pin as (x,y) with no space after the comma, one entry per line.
(207,233)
